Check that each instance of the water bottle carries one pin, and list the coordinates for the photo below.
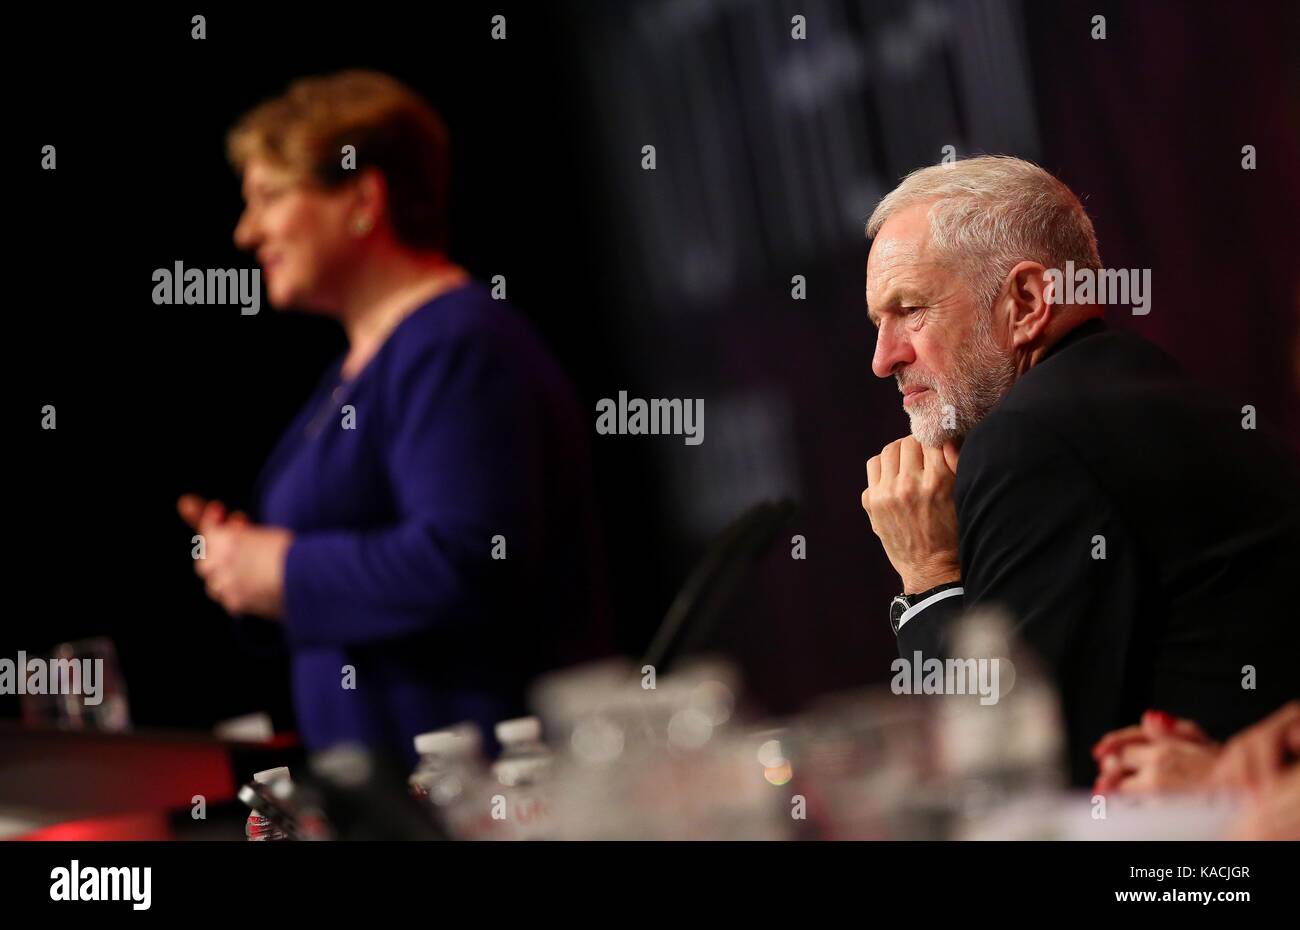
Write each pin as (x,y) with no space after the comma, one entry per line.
(259,828)
(659,758)
(521,773)
(451,778)
(1003,749)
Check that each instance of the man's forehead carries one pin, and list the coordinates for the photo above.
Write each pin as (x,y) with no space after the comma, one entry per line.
(888,253)
(892,264)
(899,255)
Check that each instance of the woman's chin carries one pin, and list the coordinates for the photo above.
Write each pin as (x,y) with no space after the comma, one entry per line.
(282,298)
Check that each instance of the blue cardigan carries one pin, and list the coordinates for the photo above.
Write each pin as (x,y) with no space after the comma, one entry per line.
(459,443)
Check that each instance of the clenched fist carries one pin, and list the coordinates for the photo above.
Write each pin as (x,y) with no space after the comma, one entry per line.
(909,500)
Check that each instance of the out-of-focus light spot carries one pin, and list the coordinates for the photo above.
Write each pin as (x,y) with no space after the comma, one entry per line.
(715,701)
(779,774)
(597,739)
(690,728)
(770,754)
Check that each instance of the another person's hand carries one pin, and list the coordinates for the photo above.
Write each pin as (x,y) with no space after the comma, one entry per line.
(244,565)
(199,511)
(1165,754)
(1161,753)
(909,498)
(1155,724)
(1274,814)
(1257,757)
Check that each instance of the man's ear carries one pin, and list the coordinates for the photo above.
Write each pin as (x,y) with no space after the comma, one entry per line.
(1031,294)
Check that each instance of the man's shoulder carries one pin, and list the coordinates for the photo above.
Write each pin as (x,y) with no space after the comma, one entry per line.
(1030,462)
(1012,441)
(1116,409)
(1099,367)
(1069,399)
(1082,390)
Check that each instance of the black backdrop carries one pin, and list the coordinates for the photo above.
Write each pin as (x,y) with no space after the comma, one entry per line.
(153,401)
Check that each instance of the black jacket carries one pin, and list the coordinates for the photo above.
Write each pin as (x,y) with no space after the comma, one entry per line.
(1201,524)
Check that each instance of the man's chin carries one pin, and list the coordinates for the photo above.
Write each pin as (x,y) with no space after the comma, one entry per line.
(929,432)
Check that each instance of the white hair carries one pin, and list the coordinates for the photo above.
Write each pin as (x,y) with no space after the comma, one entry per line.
(982,373)
(992,212)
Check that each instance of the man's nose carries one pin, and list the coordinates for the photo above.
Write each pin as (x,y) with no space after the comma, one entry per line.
(891,351)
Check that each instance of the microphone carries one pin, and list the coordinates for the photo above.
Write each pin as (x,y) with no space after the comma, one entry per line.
(693,615)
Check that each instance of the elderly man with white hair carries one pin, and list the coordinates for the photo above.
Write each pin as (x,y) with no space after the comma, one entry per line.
(1139,529)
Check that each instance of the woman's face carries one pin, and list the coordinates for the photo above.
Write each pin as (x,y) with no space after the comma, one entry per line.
(300,234)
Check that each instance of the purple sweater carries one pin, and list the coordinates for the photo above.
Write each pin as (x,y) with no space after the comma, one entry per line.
(460,439)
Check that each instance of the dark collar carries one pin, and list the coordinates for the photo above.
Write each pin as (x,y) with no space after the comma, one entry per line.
(1082,331)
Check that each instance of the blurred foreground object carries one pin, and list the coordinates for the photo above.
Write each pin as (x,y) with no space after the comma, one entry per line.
(79,686)
(644,757)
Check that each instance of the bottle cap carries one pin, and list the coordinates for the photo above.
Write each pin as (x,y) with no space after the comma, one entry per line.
(519,730)
(462,739)
(271,775)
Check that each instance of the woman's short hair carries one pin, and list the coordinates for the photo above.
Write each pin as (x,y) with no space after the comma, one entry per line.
(392,128)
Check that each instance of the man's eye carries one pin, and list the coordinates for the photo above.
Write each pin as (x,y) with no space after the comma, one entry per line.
(909,311)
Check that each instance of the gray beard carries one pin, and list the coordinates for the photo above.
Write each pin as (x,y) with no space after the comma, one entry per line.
(983,374)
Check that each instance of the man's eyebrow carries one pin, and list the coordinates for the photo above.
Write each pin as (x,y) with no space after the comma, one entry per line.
(897,296)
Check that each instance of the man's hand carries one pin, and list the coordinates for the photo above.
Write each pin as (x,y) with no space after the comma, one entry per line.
(244,567)
(909,501)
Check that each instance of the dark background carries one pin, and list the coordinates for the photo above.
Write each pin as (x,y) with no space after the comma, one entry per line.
(673,283)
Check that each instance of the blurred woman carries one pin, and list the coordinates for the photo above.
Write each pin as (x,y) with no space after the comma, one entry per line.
(425,529)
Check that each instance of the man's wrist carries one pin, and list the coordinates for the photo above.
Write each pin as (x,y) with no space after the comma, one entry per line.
(905,606)
(915,583)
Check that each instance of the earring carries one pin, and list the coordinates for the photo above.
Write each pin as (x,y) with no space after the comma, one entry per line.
(360,226)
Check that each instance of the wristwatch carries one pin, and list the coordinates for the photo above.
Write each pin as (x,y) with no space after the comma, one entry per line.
(902,603)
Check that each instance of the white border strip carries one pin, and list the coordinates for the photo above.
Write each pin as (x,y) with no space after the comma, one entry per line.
(933,598)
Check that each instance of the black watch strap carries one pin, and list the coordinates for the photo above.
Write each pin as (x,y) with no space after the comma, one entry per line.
(905,606)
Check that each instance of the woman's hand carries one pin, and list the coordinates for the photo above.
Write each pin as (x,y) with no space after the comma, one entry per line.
(1161,753)
(1165,754)
(1169,764)
(244,565)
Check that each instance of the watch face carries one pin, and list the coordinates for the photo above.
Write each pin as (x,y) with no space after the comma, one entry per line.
(897,607)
